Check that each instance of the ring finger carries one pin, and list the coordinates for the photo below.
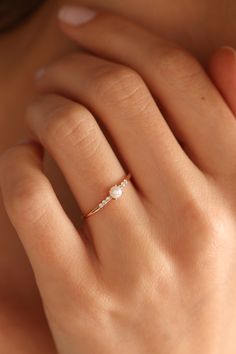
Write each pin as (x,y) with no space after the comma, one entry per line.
(122,102)
(71,134)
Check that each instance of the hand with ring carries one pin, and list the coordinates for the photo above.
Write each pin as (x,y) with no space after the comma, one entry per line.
(147,143)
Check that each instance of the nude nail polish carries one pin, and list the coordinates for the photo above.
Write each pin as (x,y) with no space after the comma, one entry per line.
(76,15)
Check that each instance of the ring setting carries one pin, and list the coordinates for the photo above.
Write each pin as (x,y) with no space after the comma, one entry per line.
(115,193)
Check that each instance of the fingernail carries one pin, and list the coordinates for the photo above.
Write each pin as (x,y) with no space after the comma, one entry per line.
(76,15)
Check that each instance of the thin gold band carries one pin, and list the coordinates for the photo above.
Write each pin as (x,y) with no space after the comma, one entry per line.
(114,194)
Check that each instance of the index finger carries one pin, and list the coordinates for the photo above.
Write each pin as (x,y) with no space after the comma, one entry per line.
(192,104)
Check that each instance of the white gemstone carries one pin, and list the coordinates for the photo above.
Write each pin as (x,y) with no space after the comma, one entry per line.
(116,192)
(100,205)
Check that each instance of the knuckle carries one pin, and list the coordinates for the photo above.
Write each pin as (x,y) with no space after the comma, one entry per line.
(70,125)
(117,83)
(173,61)
(196,210)
(193,210)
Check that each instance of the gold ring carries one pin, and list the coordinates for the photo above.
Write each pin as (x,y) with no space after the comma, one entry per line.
(115,193)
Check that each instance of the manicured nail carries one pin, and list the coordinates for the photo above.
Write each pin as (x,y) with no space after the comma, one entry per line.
(76,15)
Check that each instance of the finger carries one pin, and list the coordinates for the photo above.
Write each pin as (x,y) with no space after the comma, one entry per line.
(71,134)
(53,245)
(121,100)
(194,108)
(222,68)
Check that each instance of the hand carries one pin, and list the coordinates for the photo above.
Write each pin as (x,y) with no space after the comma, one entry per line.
(154,271)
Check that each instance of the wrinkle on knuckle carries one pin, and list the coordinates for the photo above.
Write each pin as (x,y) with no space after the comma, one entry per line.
(173,61)
(73,126)
(56,123)
(117,83)
(141,110)
(82,133)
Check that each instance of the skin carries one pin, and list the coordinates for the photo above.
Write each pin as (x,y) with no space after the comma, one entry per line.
(174,271)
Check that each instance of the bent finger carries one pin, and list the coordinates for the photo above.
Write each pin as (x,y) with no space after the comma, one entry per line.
(53,245)
(71,134)
(193,107)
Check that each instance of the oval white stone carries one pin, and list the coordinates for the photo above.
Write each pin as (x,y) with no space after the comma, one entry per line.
(116,192)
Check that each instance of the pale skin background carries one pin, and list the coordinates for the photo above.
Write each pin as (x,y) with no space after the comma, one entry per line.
(200,26)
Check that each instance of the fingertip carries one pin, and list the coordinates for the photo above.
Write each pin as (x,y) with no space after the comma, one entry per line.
(228,51)
(222,70)
(223,56)
(76,16)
